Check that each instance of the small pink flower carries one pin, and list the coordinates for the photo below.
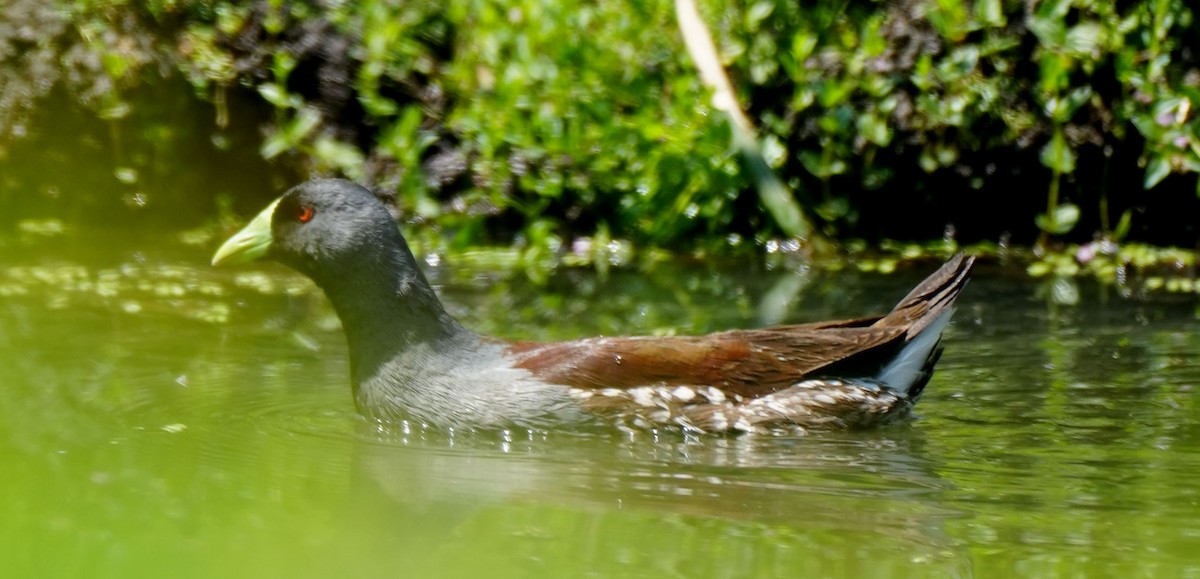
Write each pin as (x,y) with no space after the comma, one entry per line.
(1086,253)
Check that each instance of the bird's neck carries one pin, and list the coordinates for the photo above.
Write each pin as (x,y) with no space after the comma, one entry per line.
(389,312)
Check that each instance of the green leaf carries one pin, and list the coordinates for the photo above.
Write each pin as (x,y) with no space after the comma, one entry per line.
(1156,171)
(1147,127)
(774,151)
(303,124)
(803,45)
(1076,99)
(950,19)
(1049,31)
(1083,39)
(927,161)
(278,96)
(1060,221)
(874,129)
(1189,164)
(815,163)
(1053,9)
(341,155)
(1123,225)
(275,144)
(922,76)
(1038,269)
(758,12)
(989,12)
(834,209)
(1057,154)
(378,106)
(1054,69)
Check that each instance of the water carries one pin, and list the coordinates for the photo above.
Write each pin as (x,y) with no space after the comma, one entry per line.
(160,418)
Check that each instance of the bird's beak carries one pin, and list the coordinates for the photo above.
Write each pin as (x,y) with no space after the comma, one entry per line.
(249,244)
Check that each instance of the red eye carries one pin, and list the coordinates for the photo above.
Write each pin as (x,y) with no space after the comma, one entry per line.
(304,214)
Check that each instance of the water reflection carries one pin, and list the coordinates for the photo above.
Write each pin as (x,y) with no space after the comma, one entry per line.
(878,490)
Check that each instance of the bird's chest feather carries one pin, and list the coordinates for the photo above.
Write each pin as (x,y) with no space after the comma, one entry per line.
(472,387)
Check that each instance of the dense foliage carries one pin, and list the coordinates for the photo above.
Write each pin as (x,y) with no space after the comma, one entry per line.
(553,119)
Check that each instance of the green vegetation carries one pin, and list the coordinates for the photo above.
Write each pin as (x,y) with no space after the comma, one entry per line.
(537,122)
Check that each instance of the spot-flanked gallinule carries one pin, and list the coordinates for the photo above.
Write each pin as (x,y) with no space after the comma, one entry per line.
(410,360)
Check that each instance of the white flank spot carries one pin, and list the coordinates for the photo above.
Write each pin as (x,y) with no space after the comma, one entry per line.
(743,425)
(683,393)
(715,396)
(610,392)
(824,399)
(719,421)
(644,396)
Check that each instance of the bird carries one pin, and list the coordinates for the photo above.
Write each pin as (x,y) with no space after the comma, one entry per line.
(412,362)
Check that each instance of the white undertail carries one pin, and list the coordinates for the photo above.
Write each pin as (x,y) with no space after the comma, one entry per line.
(912,364)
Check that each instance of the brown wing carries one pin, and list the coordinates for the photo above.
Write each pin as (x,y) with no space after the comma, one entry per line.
(748,363)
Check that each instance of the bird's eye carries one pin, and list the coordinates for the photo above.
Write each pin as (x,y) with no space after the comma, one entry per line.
(304,213)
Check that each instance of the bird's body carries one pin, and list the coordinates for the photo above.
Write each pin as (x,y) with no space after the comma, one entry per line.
(411,361)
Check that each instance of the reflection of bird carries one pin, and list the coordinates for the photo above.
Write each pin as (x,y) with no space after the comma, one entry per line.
(411,360)
(841,503)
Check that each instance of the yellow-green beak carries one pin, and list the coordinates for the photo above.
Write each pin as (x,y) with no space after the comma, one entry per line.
(249,244)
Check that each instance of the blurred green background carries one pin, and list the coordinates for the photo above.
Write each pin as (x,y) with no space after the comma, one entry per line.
(537,122)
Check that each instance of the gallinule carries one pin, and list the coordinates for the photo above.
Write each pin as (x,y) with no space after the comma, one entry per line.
(410,360)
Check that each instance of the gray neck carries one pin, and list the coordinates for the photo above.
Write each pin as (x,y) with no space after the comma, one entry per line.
(390,314)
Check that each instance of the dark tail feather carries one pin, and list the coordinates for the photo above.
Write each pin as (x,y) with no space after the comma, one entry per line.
(925,313)
(921,306)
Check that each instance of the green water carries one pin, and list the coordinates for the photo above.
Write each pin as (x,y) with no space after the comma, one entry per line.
(159,418)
